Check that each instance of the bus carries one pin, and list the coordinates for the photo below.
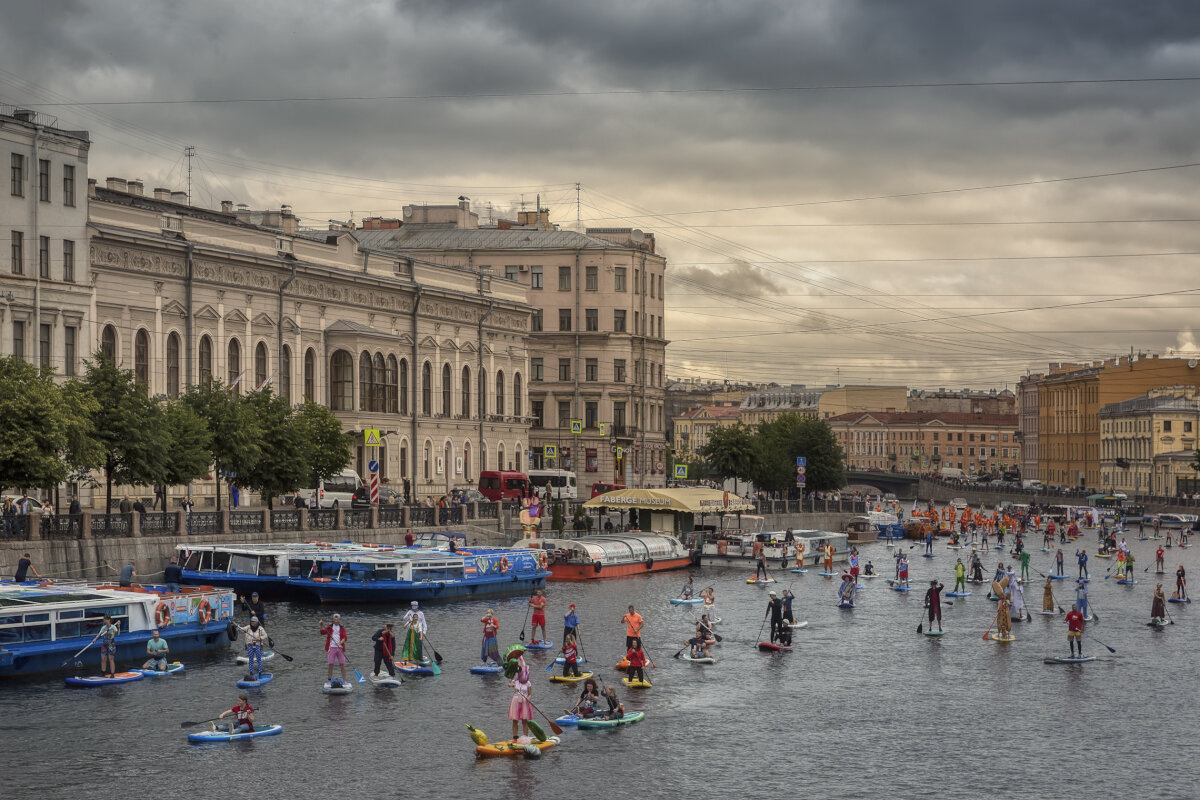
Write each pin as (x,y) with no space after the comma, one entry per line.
(562,483)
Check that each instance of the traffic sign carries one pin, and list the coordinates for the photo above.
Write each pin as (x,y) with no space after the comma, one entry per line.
(801,470)
(800,479)
(550,451)
(576,426)
(371,437)
(620,452)
(603,428)
(801,461)
(373,466)
(681,471)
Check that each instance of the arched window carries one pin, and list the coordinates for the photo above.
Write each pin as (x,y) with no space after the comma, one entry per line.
(173,365)
(403,376)
(483,404)
(445,390)
(500,457)
(518,398)
(365,381)
(427,397)
(466,392)
(310,373)
(206,369)
(390,380)
(427,473)
(260,365)
(520,463)
(341,375)
(285,374)
(141,358)
(482,456)
(234,364)
(379,387)
(108,343)
(500,392)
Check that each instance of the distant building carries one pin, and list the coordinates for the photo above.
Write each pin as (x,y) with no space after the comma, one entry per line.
(913,441)
(684,395)
(1148,443)
(767,406)
(849,399)
(1028,411)
(692,428)
(964,401)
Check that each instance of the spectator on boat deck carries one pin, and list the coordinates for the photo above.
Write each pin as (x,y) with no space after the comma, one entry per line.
(23,567)
(157,651)
(173,576)
(128,573)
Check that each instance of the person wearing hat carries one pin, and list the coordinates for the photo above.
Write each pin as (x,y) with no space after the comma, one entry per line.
(847,589)
(255,606)
(1158,609)
(335,645)
(520,708)
(490,651)
(933,602)
(1081,597)
(256,639)
(414,631)
(1017,592)
(570,623)
(775,612)
(385,649)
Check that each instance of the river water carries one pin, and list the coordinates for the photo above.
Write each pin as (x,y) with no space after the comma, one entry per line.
(864,707)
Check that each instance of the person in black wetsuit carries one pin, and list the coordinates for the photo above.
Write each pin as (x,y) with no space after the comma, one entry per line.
(933,602)
(762,566)
(775,612)
(255,606)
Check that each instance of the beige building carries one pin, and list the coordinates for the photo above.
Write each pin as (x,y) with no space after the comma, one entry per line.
(1029,412)
(1148,443)
(597,344)
(851,399)
(433,355)
(910,441)
(770,405)
(692,428)
(964,401)
(45,297)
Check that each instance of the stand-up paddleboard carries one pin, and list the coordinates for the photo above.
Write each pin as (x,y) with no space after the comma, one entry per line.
(568,719)
(677,601)
(583,676)
(1156,623)
(542,645)
(563,660)
(172,668)
(383,680)
(999,638)
(958,594)
(1048,613)
(225,736)
(772,647)
(104,680)
(899,587)
(486,669)
(413,668)
(337,687)
(1058,577)
(601,722)
(700,660)
(935,633)
(872,575)
(927,555)
(633,683)
(845,604)
(1179,600)
(800,571)
(1068,660)
(1045,549)
(1128,581)
(263,679)
(760,581)
(266,656)
(828,574)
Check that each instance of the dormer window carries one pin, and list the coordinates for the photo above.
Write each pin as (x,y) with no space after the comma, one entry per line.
(283,245)
(171,223)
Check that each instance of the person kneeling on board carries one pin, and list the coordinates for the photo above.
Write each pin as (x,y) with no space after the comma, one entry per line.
(243,721)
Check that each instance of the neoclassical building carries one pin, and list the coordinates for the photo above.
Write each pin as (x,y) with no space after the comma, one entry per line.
(432,355)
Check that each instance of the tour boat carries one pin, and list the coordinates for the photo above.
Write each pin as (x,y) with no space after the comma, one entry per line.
(728,547)
(264,569)
(44,626)
(617,556)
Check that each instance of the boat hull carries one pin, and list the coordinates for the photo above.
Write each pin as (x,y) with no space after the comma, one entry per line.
(587,572)
(406,591)
(47,657)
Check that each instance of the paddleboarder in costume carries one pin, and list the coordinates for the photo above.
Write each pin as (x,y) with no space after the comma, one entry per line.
(960,576)
(1075,622)
(933,602)
(1048,595)
(1158,609)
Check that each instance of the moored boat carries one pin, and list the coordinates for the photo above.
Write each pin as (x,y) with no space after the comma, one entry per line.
(730,547)
(616,556)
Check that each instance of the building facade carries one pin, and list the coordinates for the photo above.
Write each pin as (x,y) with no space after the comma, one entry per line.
(964,401)
(431,355)
(769,405)
(1027,405)
(1148,443)
(597,340)
(910,441)
(854,399)
(45,294)
(692,428)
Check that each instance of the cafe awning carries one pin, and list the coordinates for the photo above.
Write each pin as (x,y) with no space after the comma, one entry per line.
(687,500)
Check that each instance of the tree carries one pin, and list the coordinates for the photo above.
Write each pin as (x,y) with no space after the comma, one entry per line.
(777,444)
(189,446)
(556,517)
(730,452)
(236,443)
(327,446)
(43,427)
(128,426)
(283,466)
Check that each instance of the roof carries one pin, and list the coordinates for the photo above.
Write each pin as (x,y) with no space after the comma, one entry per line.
(346,326)
(715,412)
(409,238)
(926,418)
(693,500)
(1146,403)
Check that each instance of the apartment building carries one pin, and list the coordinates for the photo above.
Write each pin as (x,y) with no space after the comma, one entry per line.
(692,428)
(914,441)
(1148,443)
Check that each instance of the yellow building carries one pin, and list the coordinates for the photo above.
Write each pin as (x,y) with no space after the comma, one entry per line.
(769,406)
(850,399)
(1148,444)
(918,441)
(693,427)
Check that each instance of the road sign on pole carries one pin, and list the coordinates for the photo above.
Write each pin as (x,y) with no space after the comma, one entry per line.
(550,451)
(681,471)
(371,437)
(373,469)
(801,461)
(801,470)
(576,426)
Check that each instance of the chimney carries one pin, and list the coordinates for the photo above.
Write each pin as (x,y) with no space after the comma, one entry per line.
(136,187)
(226,206)
(179,197)
(288,221)
(380,223)
(91,187)
(162,194)
(116,184)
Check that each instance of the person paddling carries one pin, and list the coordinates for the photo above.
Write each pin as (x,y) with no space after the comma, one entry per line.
(637,662)
(570,654)
(385,650)
(1058,562)
(1181,583)
(335,645)
(616,710)
(1075,622)
(520,708)
(633,627)
(1158,561)
(108,645)
(1081,557)
(1081,597)
(845,597)
(490,649)
(960,576)
(570,623)
(775,612)
(686,592)
(1158,608)
(414,624)
(933,602)
(828,556)
(588,698)
(538,604)
(903,579)
(1048,594)
(256,639)
(243,713)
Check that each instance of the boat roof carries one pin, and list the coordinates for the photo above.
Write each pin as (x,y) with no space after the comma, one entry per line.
(20,597)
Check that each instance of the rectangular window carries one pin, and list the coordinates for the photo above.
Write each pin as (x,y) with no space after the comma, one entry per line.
(538,410)
(1166,426)
(18,253)
(17,175)
(68,261)
(637,277)
(971,451)
(619,320)
(535,277)
(19,339)
(564,414)
(68,185)
(619,279)
(44,345)
(591,319)
(619,419)
(564,319)
(44,180)
(564,279)
(661,292)
(590,414)
(935,438)
(960,439)
(593,279)
(69,351)
(44,256)
(591,369)
(637,322)
(935,448)
(564,369)
(651,284)
(1187,427)
(536,368)
(972,437)
(619,370)
(535,321)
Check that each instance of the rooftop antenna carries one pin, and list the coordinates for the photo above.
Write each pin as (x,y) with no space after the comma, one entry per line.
(578,215)
(522,201)
(189,151)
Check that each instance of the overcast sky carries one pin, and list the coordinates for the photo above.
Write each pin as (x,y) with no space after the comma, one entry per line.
(803,291)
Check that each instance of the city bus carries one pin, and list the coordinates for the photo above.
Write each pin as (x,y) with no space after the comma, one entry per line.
(562,483)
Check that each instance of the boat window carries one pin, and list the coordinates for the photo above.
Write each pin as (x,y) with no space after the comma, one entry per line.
(76,613)
(68,630)
(268,566)
(40,617)
(39,632)
(193,562)
(11,620)
(300,569)
(220,562)
(245,565)
(385,574)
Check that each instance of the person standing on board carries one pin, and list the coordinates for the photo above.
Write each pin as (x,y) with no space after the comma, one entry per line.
(414,624)
(1158,608)
(108,645)
(960,576)
(633,627)
(903,571)
(1159,567)
(385,649)
(828,556)
(256,640)
(933,602)
(1048,594)
(1081,598)
(1081,558)
(775,612)
(538,603)
(335,645)
(1075,622)
(490,649)
(1058,563)
(929,542)
(1181,583)
(761,568)
(570,623)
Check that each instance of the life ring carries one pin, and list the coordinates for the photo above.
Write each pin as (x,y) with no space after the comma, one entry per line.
(596,567)
(162,615)
(204,612)
(231,630)
(503,564)
(542,559)
(322,580)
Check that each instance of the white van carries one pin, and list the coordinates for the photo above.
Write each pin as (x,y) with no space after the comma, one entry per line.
(337,491)
(1032,484)
(561,482)
(953,473)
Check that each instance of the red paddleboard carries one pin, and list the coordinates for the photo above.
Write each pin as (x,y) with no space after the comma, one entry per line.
(773,646)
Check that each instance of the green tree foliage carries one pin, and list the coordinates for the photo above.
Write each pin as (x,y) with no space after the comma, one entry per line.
(777,444)
(730,452)
(556,517)
(41,436)
(128,426)
(189,448)
(327,446)
(236,443)
(283,465)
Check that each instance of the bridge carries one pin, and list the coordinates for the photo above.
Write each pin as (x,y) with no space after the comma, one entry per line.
(897,483)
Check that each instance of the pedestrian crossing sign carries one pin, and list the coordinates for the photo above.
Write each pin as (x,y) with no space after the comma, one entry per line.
(371,437)
(576,426)
(681,471)
(603,428)
(550,451)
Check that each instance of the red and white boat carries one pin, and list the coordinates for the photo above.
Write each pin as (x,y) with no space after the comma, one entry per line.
(590,558)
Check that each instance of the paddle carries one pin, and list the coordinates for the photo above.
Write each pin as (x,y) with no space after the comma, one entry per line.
(77,655)
(527,607)
(190,724)
(360,677)
(921,624)
(284,656)
(988,633)
(579,641)
(760,630)
(1097,641)
(437,657)
(553,726)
